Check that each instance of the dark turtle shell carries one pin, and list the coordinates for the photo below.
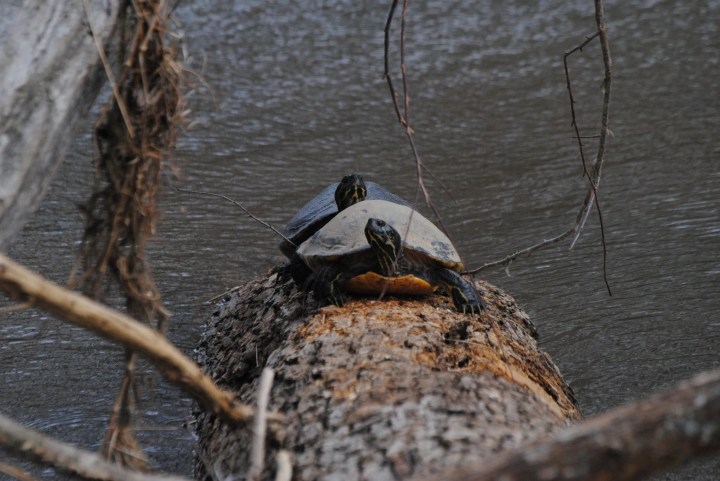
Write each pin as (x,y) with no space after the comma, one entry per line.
(343,239)
(318,212)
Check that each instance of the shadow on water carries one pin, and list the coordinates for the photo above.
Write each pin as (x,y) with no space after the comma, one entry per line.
(298,100)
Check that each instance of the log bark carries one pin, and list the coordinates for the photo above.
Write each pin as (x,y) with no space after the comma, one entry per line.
(378,390)
(50,74)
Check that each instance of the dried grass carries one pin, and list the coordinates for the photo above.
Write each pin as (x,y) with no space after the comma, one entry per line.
(134,135)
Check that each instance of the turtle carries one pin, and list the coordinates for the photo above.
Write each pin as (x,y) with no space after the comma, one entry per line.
(376,247)
(324,206)
(319,211)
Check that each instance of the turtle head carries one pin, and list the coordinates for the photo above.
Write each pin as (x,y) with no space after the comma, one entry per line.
(386,243)
(350,190)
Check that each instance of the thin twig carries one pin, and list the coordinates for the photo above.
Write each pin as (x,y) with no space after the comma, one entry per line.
(16,308)
(404,114)
(592,174)
(594,177)
(110,76)
(249,214)
(66,457)
(257,450)
(16,472)
(604,129)
(393,92)
(572,101)
(284,466)
(220,296)
(523,252)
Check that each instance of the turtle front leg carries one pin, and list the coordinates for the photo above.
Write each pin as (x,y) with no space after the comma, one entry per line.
(465,297)
(295,269)
(328,285)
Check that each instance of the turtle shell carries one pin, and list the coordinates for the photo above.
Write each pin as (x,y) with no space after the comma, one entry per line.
(316,213)
(343,238)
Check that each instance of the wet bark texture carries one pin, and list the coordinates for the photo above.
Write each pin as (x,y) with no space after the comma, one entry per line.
(50,74)
(378,390)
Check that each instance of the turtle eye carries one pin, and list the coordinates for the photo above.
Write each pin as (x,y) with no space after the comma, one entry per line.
(381,223)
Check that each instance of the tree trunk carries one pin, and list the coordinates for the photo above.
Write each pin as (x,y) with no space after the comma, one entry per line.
(378,390)
(50,74)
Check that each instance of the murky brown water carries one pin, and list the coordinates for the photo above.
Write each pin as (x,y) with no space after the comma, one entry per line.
(298,100)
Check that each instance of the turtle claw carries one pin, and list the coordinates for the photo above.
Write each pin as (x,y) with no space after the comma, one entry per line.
(473,308)
(337,299)
(467,301)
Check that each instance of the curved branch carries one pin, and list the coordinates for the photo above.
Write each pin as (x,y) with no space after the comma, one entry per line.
(67,457)
(23,285)
(594,173)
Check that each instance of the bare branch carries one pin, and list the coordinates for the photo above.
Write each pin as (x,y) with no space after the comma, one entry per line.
(393,92)
(66,457)
(110,76)
(684,423)
(404,116)
(15,472)
(257,453)
(284,466)
(23,285)
(593,174)
(572,102)
(594,177)
(249,214)
(604,130)
(507,260)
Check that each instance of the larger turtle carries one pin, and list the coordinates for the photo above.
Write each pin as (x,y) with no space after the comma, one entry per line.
(319,211)
(378,246)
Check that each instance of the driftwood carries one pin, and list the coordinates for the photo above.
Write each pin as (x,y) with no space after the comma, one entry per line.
(378,389)
(50,74)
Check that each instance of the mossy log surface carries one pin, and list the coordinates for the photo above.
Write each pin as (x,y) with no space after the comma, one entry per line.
(378,389)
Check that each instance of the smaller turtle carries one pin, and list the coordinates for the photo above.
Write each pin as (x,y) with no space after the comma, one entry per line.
(320,210)
(324,206)
(362,250)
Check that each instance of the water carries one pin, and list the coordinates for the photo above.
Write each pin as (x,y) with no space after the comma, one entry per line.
(297,99)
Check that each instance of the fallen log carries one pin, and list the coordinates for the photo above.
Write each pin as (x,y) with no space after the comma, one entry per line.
(50,74)
(378,389)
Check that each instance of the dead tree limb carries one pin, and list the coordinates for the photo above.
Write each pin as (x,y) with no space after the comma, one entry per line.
(50,74)
(624,444)
(29,443)
(23,285)
(593,173)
